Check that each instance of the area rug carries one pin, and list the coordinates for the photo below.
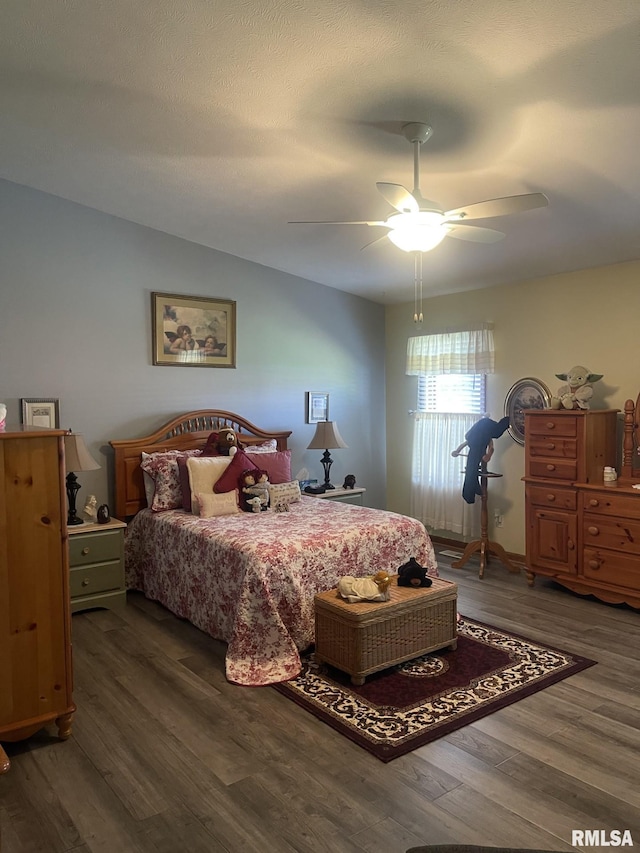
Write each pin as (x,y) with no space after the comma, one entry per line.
(399,709)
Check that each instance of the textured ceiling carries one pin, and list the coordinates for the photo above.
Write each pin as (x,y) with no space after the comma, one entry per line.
(220,120)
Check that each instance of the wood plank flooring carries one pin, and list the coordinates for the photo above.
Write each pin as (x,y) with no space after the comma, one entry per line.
(167,756)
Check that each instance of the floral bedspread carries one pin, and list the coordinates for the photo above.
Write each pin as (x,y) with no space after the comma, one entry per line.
(250,579)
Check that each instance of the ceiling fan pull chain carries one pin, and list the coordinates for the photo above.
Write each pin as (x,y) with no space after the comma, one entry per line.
(417,289)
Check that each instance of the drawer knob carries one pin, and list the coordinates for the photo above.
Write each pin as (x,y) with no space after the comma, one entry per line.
(85,582)
(593,530)
(551,425)
(594,564)
(551,498)
(594,502)
(550,446)
(571,545)
(551,467)
(85,551)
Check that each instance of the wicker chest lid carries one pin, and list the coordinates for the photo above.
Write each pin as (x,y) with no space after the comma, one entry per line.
(402,598)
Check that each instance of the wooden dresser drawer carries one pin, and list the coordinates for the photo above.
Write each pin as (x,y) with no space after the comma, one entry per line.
(551,497)
(606,531)
(560,469)
(93,548)
(98,578)
(551,446)
(612,568)
(618,505)
(553,425)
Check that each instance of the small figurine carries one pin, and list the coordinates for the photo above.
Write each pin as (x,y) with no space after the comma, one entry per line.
(374,588)
(255,483)
(91,508)
(349,481)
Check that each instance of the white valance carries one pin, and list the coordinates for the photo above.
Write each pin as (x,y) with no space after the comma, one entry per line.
(468,351)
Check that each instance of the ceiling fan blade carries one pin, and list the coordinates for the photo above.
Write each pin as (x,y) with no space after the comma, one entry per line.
(473,233)
(332,222)
(398,197)
(373,242)
(499,206)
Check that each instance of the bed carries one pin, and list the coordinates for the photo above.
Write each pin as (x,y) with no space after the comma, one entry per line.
(249,578)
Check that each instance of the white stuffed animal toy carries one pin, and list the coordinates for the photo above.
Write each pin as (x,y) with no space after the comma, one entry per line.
(578,390)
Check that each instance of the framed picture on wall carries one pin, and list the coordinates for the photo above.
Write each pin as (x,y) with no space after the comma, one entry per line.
(528,393)
(193,331)
(317,407)
(40,412)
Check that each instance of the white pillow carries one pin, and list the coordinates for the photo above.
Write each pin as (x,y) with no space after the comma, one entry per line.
(213,505)
(284,493)
(204,473)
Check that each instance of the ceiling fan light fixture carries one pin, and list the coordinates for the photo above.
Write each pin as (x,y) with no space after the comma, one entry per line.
(416,232)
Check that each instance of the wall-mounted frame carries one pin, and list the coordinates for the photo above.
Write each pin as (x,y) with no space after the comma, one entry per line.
(527,393)
(40,412)
(193,331)
(317,407)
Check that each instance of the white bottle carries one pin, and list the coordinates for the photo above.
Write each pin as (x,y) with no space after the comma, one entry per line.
(610,475)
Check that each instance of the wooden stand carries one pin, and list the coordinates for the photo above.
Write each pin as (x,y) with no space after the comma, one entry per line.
(484,545)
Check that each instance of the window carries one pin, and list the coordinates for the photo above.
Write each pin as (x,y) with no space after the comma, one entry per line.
(452,392)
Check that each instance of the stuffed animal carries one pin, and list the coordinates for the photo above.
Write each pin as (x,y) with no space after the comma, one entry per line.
(479,440)
(254,504)
(413,574)
(222,443)
(349,481)
(374,588)
(578,390)
(254,484)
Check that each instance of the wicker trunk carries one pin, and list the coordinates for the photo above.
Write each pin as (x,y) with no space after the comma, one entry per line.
(368,636)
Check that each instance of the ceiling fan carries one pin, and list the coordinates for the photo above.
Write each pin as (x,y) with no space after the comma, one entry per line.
(419,225)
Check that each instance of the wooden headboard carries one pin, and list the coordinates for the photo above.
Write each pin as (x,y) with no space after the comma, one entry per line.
(631,441)
(182,433)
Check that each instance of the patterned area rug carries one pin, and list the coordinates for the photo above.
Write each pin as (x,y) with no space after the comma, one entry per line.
(404,707)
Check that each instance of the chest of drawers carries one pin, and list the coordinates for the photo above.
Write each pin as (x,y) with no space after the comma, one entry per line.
(565,455)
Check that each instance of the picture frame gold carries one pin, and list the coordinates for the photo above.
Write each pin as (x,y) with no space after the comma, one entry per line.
(527,393)
(193,331)
(41,412)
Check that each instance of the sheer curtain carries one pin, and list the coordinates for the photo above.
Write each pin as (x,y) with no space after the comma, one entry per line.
(436,476)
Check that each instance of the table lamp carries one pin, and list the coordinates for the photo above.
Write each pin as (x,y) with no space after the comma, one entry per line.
(77,458)
(327,436)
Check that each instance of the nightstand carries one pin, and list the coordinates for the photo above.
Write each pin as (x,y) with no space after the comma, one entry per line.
(96,562)
(345,496)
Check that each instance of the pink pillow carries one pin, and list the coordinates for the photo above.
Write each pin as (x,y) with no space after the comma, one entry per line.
(277,465)
(240,462)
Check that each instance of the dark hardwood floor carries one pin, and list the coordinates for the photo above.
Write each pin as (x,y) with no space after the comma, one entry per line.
(167,756)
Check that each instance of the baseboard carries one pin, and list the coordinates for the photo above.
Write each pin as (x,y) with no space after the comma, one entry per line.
(457,545)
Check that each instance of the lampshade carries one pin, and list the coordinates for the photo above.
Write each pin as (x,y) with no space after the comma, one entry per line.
(327,437)
(77,457)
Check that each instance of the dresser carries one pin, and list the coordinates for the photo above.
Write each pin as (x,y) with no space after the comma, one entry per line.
(96,562)
(565,455)
(35,622)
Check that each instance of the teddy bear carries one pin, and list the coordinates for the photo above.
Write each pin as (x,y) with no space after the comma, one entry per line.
(413,574)
(578,390)
(222,443)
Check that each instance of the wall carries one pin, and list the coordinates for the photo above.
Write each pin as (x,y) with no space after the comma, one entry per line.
(75,324)
(541,328)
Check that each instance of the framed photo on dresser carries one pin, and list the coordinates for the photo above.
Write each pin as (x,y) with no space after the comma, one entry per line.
(40,412)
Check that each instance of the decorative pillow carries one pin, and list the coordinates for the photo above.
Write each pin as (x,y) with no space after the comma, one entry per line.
(203,475)
(212,505)
(162,468)
(240,462)
(284,493)
(277,465)
(269,446)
